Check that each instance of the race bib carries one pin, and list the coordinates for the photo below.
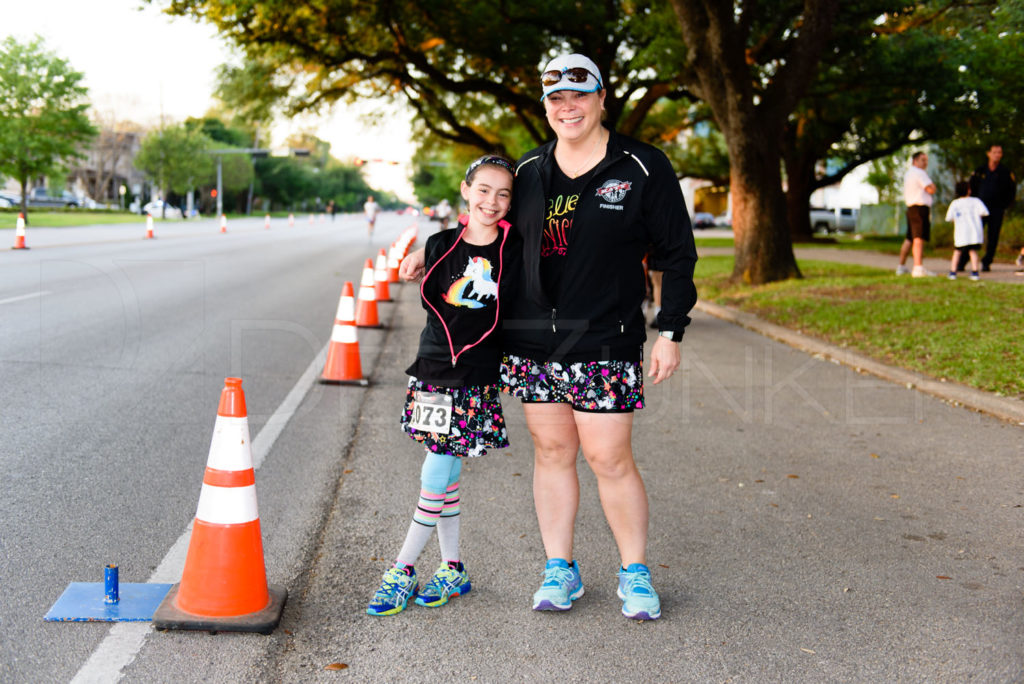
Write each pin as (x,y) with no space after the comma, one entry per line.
(431,412)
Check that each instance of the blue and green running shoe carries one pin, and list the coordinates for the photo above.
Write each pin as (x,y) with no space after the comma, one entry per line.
(447,583)
(639,600)
(562,585)
(396,588)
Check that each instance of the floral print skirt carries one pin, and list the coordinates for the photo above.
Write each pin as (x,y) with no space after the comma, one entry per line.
(477,422)
(593,386)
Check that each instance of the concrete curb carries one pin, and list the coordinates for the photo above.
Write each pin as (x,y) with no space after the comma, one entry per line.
(1003,408)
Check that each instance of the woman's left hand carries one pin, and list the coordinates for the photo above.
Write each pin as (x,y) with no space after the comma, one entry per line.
(664,359)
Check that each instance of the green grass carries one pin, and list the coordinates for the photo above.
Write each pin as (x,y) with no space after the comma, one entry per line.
(963,331)
(713,242)
(67,219)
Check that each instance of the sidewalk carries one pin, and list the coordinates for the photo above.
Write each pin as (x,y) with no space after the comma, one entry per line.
(808,524)
(1002,272)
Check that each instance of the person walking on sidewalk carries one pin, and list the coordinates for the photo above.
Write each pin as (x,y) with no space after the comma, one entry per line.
(918,190)
(587,205)
(995,185)
(966,213)
(452,403)
(443,212)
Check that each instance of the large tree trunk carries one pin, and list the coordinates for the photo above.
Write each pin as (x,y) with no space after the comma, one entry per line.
(763,248)
(799,186)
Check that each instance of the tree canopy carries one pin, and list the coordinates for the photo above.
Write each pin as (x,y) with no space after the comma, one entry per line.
(788,83)
(43,112)
(175,158)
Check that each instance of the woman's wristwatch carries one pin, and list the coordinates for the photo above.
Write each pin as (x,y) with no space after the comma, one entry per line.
(674,335)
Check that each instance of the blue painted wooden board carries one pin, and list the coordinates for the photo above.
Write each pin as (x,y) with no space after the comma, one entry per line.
(84,602)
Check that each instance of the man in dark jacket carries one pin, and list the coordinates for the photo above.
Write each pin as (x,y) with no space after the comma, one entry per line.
(995,185)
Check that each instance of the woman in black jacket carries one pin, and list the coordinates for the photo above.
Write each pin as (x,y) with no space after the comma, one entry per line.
(587,206)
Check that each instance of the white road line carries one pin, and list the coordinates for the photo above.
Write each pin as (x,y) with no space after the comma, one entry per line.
(22,297)
(125,639)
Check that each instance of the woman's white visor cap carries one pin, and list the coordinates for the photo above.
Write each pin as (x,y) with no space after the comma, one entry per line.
(564,65)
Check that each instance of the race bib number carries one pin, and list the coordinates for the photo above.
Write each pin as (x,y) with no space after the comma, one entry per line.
(431,412)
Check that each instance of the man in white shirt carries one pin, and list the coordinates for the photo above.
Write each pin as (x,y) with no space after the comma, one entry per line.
(371,209)
(918,190)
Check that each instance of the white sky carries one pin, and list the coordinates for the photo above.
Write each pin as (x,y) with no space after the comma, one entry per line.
(142,65)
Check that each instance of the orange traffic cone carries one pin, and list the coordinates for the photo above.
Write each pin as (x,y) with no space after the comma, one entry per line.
(366,307)
(224,584)
(343,367)
(393,263)
(223,223)
(266,221)
(310,219)
(19,232)
(149,226)
(291,220)
(380,279)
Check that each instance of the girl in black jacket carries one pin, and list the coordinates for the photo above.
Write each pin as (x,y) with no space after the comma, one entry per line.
(452,405)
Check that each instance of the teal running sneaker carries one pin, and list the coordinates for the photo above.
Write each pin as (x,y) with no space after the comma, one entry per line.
(447,583)
(396,588)
(562,585)
(639,600)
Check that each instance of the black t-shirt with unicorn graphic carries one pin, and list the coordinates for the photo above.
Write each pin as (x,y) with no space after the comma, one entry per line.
(463,289)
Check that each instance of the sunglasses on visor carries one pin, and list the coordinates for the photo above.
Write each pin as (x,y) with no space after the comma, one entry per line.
(574,75)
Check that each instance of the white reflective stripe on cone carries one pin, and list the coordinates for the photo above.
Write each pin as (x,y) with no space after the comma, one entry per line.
(343,333)
(367,277)
(381,275)
(346,309)
(366,293)
(227,505)
(230,448)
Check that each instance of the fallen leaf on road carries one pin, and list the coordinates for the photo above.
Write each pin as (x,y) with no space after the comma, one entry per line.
(874,456)
(793,477)
(347,471)
(337,666)
(895,496)
(942,577)
(807,650)
(758,480)
(662,565)
(516,474)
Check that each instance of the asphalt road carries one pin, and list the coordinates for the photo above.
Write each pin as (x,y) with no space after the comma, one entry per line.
(113,352)
(808,523)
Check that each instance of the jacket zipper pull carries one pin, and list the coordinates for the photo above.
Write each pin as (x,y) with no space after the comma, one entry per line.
(553,312)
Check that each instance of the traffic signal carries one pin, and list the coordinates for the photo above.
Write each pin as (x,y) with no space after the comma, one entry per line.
(213,193)
(359,162)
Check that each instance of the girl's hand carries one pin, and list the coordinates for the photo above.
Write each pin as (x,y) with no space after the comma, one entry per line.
(665,359)
(411,268)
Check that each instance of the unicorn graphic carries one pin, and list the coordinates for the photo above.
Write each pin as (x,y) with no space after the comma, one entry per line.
(475,285)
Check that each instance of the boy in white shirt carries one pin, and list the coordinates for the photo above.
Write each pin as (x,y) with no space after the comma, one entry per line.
(966,213)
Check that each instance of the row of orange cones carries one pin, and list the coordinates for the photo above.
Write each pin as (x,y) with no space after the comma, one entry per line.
(224,583)
(19,229)
(343,366)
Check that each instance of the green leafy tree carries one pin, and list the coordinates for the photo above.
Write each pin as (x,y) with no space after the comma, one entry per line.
(43,120)
(897,79)
(285,181)
(175,158)
(989,44)
(763,70)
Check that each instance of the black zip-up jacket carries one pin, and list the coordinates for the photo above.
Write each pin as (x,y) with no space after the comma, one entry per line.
(443,342)
(631,201)
(995,188)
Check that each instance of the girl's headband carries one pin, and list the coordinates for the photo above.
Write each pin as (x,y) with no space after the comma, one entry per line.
(496,161)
